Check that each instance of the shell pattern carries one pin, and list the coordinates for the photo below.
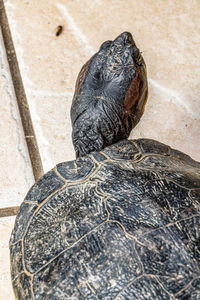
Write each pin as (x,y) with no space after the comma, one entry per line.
(122,223)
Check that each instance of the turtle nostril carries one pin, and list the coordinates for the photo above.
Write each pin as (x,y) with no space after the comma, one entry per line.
(125,38)
(128,39)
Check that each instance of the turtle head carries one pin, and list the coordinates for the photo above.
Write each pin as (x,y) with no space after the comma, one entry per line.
(110,95)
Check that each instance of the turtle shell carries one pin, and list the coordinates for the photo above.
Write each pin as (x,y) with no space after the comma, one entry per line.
(122,223)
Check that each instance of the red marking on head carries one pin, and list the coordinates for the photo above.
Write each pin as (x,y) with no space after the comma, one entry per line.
(133,93)
(80,78)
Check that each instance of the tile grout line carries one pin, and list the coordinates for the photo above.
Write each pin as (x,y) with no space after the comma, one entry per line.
(9,211)
(23,106)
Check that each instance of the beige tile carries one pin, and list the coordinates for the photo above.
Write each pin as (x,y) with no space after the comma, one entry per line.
(179,128)
(15,173)
(167,33)
(6,226)
(53,128)
(49,66)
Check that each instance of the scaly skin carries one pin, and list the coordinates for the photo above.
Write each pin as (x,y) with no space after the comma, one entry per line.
(110,95)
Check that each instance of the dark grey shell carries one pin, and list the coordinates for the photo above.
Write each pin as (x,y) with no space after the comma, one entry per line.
(122,223)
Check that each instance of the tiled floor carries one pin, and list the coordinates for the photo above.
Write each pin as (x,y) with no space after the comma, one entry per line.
(15,172)
(6,225)
(167,33)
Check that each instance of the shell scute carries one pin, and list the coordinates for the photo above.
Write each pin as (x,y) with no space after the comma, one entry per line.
(152,146)
(16,259)
(22,287)
(44,187)
(147,286)
(167,195)
(136,213)
(97,262)
(76,170)
(163,254)
(62,221)
(170,168)
(21,222)
(122,150)
(121,175)
(185,158)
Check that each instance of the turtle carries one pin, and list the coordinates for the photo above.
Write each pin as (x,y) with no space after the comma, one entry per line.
(122,220)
